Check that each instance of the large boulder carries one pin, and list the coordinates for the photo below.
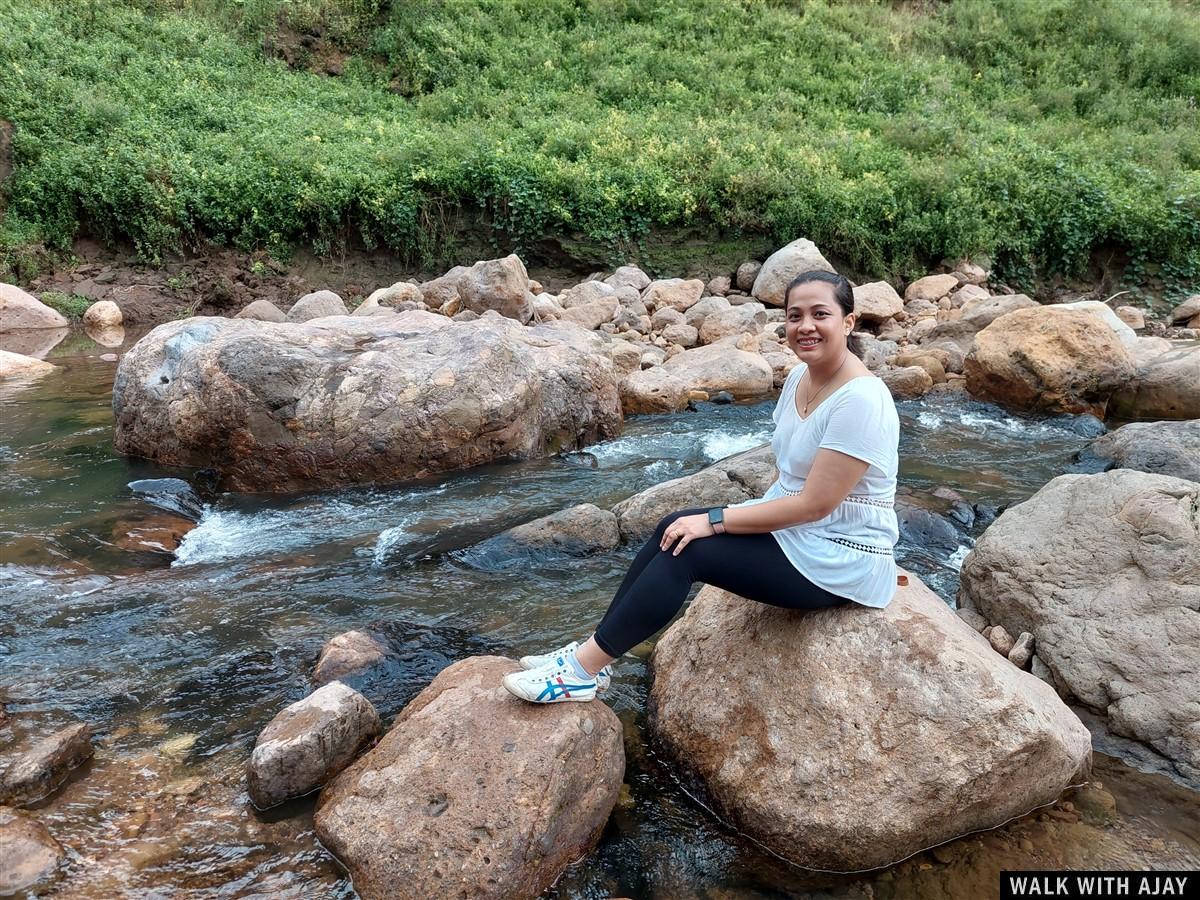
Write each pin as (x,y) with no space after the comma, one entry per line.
(894,730)
(17,366)
(1162,448)
(474,792)
(586,293)
(592,315)
(380,399)
(43,767)
(1127,335)
(628,276)
(1186,311)
(1165,385)
(1104,571)
(308,743)
(785,264)
(28,852)
(873,733)
(20,311)
(317,305)
(443,289)
(876,302)
(499,284)
(1050,359)
(743,476)
(723,367)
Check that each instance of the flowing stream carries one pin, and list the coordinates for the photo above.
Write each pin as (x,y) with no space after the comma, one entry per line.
(178,664)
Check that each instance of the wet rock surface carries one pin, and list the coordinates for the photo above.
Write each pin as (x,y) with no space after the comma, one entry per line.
(29,855)
(484,818)
(308,743)
(34,773)
(1161,448)
(576,531)
(828,777)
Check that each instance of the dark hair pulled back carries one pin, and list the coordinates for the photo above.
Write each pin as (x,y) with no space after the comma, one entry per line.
(843,293)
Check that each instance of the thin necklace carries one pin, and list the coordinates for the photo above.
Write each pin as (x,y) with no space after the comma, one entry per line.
(845,356)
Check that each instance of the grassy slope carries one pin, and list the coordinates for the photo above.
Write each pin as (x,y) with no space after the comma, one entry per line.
(1035,131)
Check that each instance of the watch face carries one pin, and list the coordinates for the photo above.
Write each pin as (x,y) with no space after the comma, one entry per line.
(715,516)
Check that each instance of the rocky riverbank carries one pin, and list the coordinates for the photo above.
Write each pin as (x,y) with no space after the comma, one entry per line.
(313,396)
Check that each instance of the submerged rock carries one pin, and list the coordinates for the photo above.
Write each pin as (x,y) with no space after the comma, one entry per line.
(896,728)
(1104,571)
(171,494)
(16,365)
(277,407)
(41,769)
(474,791)
(308,743)
(29,855)
(576,531)
(349,654)
(1161,448)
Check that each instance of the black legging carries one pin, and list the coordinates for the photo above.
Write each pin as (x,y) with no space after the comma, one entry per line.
(750,565)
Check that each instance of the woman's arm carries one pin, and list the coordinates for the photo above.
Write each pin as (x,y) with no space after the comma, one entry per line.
(832,477)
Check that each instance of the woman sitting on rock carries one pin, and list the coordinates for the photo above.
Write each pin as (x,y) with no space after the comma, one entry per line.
(822,536)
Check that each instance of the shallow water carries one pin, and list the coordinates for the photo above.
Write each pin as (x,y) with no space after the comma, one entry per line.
(179,664)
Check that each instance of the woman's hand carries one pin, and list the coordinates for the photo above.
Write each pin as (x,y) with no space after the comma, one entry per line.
(686,529)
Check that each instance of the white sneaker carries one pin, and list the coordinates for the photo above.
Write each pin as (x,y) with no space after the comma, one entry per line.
(551,684)
(538,660)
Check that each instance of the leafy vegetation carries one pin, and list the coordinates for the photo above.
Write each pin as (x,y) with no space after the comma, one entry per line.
(70,305)
(891,134)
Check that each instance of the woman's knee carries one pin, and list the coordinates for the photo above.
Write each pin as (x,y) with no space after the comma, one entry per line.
(666,520)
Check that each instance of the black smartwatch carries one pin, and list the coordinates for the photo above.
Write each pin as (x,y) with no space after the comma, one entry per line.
(716,518)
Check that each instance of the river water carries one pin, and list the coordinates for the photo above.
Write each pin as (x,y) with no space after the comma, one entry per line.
(178,664)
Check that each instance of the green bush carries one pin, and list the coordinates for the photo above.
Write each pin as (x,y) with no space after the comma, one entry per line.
(1035,132)
(70,305)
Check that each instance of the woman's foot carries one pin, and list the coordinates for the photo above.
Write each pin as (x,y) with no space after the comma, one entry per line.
(552,683)
(558,657)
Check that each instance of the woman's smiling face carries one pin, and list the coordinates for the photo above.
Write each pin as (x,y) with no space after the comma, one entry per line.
(815,326)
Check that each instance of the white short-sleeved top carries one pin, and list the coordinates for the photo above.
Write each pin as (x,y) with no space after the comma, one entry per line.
(849,552)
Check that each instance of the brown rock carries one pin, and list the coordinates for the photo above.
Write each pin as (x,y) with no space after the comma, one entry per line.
(102,314)
(1164,384)
(29,855)
(719,286)
(829,777)
(317,305)
(290,407)
(457,792)
(1001,641)
(40,770)
(1055,360)
(575,531)
(1131,316)
(1184,312)
(927,361)
(262,311)
(628,276)
(346,655)
(308,743)
(931,288)
(1104,571)
(677,293)
(441,290)
(746,274)
(748,318)
(498,284)
(876,302)
(654,390)
(393,296)
(156,533)
(907,383)
(1022,650)
(784,265)
(719,367)
(15,365)
(20,311)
